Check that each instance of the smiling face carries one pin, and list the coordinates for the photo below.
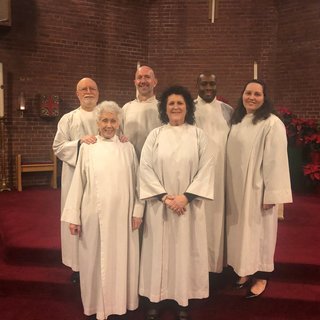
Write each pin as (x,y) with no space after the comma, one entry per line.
(108,124)
(176,109)
(87,93)
(145,82)
(207,87)
(253,97)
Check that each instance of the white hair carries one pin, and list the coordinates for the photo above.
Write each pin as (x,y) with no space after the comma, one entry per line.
(108,106)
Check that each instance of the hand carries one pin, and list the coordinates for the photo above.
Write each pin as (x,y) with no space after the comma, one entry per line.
(123,138)
(88,139)
(267,206)
(136,223)
(75,229)
(177,204)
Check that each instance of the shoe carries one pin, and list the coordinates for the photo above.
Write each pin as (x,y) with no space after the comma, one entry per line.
(238,285)
(75,277)
(183,315)
(152,314)
(251,295)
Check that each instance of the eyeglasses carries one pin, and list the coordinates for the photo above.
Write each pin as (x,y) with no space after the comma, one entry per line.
(86,89)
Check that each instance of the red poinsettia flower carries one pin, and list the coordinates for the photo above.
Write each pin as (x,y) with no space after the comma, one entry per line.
(313,142)
(312,171)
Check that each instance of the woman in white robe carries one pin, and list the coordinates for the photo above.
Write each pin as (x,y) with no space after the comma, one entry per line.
(103,209)
(176,175)
(257,181)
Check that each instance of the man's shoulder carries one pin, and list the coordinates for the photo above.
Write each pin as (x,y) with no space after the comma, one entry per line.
(69,114)
(136,105)
(128,104)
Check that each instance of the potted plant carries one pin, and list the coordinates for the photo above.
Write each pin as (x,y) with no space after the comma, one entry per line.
(303,148)
(312,172)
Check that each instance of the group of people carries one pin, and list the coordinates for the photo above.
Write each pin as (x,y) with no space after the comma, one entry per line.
(200,180)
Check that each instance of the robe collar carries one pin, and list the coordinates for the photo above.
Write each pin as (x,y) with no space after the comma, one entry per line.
(150,100)
(113,139)
(200,100)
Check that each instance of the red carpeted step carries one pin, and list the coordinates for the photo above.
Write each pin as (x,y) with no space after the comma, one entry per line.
(30,224)
(34,285)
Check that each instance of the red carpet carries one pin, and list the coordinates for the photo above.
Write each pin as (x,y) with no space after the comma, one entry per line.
(34,285)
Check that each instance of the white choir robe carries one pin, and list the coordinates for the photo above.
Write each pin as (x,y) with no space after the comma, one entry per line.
(257,173)
(71,127)
(103,198)
(174,257)
(138,119)
(214,118)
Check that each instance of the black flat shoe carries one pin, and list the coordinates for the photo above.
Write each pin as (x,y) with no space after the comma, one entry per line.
(251,295)
(75,277)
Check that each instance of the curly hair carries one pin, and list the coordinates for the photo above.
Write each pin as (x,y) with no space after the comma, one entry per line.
(108,106)
(178,90)
(262,113)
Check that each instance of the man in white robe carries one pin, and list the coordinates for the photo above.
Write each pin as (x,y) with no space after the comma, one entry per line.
(174,259)
(141,115)
(257,173)
(103,208)
(213,116)
(74,128)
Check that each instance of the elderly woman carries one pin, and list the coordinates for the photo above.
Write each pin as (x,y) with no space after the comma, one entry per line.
(176,176)
(103,210)
(257,181)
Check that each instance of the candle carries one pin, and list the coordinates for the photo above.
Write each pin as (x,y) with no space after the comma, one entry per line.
(22,102)
(255,70)
(1,92)
(213,6)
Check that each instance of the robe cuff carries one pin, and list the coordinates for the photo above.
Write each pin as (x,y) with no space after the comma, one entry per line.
(277,196)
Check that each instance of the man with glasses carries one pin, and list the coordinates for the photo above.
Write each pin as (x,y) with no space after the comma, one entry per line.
(74,128)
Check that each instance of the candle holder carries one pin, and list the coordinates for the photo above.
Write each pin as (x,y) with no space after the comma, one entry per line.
(4,186)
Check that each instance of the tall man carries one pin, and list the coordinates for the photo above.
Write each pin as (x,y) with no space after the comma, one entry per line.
(213,117)
(74,128)
(140,116)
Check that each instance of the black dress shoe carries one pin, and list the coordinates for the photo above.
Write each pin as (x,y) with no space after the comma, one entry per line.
(152,314)
(242,285)
(75,277)
(183,315)
(251,295)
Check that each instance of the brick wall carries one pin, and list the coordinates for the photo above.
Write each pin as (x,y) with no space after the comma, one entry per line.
(184,42)
(52,44)
(298,57)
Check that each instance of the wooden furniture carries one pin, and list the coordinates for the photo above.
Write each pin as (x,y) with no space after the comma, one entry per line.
(5,13)
(281,211)
(45,166)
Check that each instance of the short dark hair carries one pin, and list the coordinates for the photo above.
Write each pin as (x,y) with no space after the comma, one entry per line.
(205,73)
(178,90)
(262,113)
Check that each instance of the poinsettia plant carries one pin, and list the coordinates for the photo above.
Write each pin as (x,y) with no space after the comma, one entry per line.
(312,170)
(299,130)
(306,134)
(313,141)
